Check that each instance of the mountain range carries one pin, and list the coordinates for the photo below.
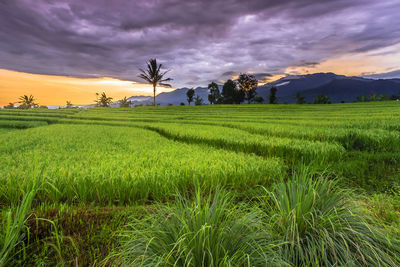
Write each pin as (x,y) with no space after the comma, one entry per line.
(338,87)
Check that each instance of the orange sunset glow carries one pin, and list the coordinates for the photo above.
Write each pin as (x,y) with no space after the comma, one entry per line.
(56,90)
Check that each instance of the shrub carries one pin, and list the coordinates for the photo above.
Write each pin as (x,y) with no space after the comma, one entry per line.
(208,232)
(319,226)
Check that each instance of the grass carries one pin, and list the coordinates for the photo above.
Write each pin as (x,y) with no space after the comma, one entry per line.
(322,227)
(105,171)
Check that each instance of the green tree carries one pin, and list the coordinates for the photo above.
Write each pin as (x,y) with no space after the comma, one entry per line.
(322,99)
(125,103)
(272,95)
(27,102)
(300,99)
(102,100)
(198,101)
(248,84)
(228,91)
(238,96)
(190,95)
(154,76)
(214,94)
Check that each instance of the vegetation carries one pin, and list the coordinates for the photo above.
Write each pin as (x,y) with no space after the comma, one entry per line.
(214,94)
(300,99)
(272,96)
(223,185)
(248,84)
(125,103)
(26,102)
(154,76)
(322,99)
(102,100)
(190,95)
(198,101)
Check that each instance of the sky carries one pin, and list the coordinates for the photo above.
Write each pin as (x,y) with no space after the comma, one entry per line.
(68,50)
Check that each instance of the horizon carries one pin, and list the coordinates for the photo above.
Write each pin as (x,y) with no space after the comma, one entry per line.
(70,50)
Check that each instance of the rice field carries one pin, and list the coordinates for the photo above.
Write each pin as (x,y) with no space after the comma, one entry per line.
(96,171)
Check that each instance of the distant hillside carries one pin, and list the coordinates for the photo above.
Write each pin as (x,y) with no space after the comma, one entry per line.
(337,87)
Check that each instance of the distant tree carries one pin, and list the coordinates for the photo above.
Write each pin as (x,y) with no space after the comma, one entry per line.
(44,107)
(258,100)
(362,98)
(68,104)
(322,99)
(272,95)
(198,101)
(372,97)
(182,104)
(190,95)
(10,106)
(102,100)
(248,84)
(300,99)
(27,102)
(342,101)
(154,76)
(170,104)
(393,97)
(228,91)
(382,97)
(214,93)
(124,103)
(238,96)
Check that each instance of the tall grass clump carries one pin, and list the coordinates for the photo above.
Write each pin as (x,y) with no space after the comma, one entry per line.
(319,226)
(13,228)
(200,232)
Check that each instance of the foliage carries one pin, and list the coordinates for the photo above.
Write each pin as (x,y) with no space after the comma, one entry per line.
(202,232)
(319,226)
(300,99)
(102,100)
(26,102)
(190,95)
(13,227)
(214,93)
(238,96)
(248,84)
(228,92)
(154,76)
(69,104)
(198,101)
(125,103)
(322,99)
(272,96)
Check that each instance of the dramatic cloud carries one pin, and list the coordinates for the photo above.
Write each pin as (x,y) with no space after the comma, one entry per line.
(199,41)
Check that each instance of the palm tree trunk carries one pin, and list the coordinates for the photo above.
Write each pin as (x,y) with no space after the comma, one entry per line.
(154,95)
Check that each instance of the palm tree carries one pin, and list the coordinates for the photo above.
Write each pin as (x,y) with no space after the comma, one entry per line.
(27,101)
(125,103)
(153,75)
(69,104)
(102,100)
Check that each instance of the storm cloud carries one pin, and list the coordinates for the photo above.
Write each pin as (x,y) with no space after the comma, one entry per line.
(199,41)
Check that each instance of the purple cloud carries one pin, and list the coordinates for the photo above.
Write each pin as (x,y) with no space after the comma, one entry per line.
(199,41)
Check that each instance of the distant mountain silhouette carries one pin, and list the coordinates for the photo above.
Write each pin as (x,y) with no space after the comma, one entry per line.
(337,87)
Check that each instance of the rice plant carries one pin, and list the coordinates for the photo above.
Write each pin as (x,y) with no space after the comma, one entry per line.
(203,232)
(319,226)
(13,228)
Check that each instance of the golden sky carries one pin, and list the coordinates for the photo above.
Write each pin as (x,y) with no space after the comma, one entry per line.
(56,90)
